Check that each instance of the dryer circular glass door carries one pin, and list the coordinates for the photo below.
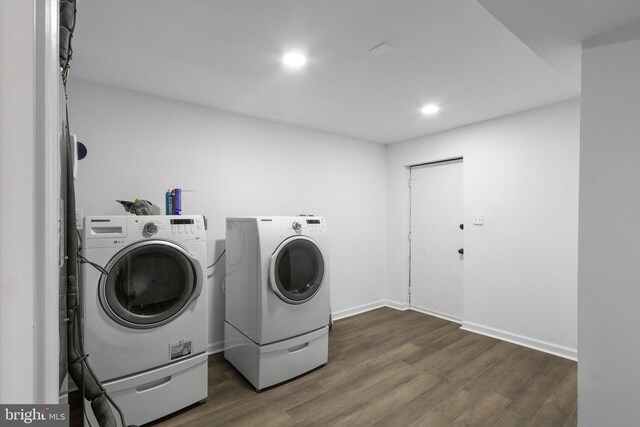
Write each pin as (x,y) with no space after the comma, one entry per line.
(149,284)
(296,270)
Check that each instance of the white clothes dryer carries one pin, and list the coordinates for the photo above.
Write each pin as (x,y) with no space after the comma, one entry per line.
(145,315)
(277,307)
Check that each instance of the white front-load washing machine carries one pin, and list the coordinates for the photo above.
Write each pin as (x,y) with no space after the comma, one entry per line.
(277,307)
(145,311)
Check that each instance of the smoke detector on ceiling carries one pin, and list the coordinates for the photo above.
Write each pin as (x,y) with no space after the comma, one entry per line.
(380,49)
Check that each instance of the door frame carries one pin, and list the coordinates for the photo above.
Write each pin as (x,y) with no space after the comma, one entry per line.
(408,223)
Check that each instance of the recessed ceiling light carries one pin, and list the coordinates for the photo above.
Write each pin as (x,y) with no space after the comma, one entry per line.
(429,110)
(294,60)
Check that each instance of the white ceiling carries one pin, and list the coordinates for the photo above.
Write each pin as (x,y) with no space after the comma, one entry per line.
(555,29)
(224,54)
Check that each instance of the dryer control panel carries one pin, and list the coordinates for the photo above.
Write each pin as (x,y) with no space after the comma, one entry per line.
(281,227)
(309,226)
(314,225)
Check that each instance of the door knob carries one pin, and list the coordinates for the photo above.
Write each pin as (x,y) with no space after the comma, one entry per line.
(461,226)
(461,251)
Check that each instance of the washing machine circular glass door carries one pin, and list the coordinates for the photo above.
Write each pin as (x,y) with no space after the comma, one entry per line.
(149,284)
(296,270)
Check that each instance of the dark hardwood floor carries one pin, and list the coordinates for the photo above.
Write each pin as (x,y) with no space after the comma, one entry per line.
(399,368)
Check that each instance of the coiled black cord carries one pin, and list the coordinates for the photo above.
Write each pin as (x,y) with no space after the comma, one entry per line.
(217,259)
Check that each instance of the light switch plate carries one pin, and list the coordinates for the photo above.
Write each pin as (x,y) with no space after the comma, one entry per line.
(478,220)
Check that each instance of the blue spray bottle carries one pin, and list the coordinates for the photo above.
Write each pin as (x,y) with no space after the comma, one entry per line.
(168,209)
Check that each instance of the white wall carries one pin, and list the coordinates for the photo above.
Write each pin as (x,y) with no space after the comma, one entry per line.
(18,267)
(520,268)
(29,201)
(609,292)
(139,146)
(51,279)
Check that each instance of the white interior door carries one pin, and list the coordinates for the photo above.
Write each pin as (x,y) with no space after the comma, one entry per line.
(436,279)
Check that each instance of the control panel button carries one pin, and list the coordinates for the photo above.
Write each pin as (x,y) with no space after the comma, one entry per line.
(296,226)
(150,229)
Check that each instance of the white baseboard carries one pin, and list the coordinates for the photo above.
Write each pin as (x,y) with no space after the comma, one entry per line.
(435,313)
(402,306)
(547,347)
(215,347)
(341,314)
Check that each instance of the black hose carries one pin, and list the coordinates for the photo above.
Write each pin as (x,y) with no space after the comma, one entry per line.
(76,357)
(94,392)
(67,27)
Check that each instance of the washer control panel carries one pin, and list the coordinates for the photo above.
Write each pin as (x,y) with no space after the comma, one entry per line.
(122,230)
(169,227)
(185,225)
(150,229)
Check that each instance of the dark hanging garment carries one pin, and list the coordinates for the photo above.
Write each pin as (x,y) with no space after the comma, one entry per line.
(67,26)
